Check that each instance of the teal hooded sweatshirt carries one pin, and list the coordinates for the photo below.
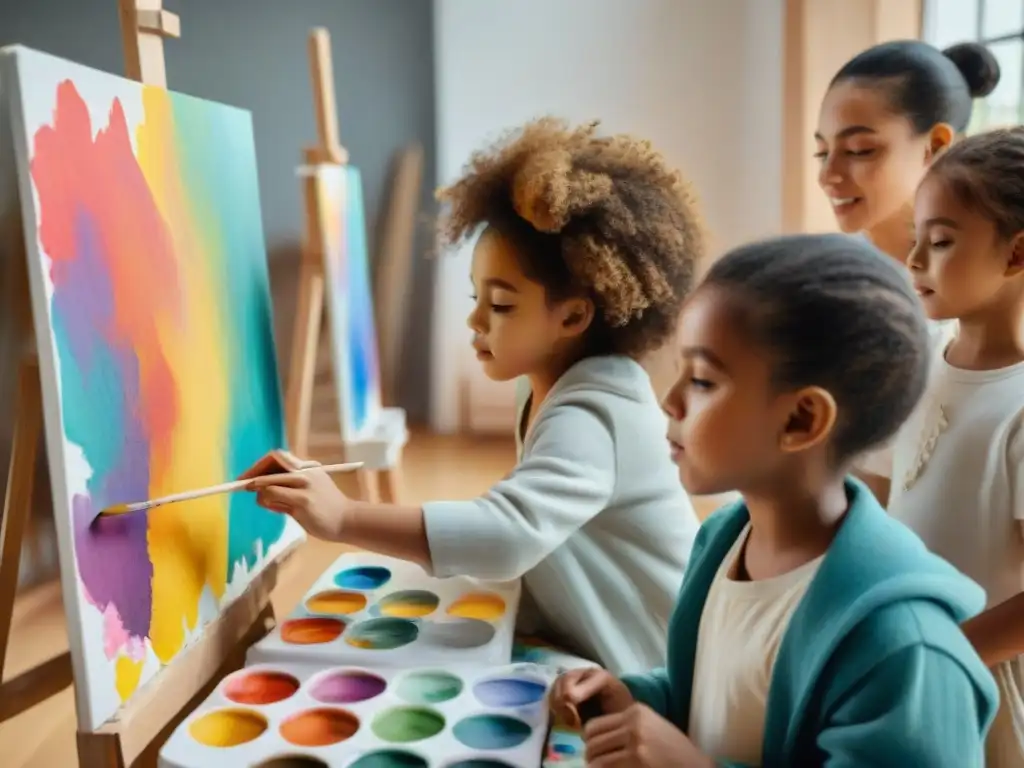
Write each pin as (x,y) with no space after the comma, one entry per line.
(873,669)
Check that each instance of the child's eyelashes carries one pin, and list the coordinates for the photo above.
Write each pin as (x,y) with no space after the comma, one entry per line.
(933,244)
(821,154)
(702,384)
(501,309)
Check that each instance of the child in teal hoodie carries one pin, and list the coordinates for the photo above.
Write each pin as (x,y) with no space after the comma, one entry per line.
(811,628)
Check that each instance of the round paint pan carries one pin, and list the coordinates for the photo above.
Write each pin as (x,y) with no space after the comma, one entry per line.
(336,602)
(227,727)
(260,687)
(382,634)
(428,686)
(511,691)
(319,727)
(363,577)
(491,732)
(311,631)
(293,761)
(390,758)
(458,633)
(485,606)
(409,604)
(401,725)
(346,686)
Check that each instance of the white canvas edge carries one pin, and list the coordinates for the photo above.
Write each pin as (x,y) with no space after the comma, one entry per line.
(53,429)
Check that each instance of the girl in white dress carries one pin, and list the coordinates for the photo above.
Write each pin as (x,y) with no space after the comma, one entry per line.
(958,462)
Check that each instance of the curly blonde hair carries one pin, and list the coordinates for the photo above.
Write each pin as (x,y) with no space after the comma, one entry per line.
(602,216)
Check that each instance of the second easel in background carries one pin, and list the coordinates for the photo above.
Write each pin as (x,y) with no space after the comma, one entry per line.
(335,271)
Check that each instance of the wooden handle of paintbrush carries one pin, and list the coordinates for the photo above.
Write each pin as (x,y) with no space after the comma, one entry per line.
(213,490)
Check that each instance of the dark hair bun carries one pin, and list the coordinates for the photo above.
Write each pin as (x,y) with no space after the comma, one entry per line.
(978,66)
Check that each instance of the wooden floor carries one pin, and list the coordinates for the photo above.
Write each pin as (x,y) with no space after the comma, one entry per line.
(44,737)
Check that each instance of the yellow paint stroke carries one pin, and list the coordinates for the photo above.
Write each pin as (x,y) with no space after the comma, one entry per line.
(331,209)
(126,676)
(188,542)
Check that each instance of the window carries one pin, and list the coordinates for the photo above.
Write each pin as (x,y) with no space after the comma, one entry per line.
(999,24)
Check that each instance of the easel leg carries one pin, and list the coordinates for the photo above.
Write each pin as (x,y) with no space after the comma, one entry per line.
(102,750)
(17,505)
(304,347)
(367,485)
(390,484)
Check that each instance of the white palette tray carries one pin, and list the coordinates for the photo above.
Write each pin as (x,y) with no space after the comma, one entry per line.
(370,610)
(278,716)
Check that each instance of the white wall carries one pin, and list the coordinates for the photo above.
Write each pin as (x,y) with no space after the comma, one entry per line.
(701,79)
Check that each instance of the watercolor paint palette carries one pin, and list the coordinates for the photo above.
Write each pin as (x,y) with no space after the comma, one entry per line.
(273,716)
(370,610)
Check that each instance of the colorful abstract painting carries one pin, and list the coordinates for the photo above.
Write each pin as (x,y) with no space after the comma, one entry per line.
(152,313)
(349,300)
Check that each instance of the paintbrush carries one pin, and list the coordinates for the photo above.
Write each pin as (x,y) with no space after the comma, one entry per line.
(234,485)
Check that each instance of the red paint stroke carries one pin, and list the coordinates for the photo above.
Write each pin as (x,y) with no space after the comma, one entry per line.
(76,175)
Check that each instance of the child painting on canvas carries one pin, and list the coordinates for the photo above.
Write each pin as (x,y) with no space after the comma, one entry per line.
(588,246)
(811,628)
(958,464)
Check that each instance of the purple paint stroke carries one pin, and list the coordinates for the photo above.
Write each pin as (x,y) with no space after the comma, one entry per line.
(99,397)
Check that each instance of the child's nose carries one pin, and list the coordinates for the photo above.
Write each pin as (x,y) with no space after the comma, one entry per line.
(475,320)
(674,404)
(917,259)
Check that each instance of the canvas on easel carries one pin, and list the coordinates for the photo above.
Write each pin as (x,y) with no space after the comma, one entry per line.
(349,300)
(151,308)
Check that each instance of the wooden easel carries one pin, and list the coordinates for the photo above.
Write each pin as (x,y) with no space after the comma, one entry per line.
(381,455)
(157,708)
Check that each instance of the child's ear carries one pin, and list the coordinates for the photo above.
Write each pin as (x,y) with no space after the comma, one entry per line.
(1015,264)
(941,136)
(577,314)
(811,420)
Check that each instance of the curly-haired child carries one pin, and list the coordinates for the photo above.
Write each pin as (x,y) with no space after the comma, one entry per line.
(588,247)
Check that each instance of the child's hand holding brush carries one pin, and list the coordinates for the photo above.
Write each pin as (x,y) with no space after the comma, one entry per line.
(309,496)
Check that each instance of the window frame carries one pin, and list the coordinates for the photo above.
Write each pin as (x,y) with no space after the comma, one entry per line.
(980,120)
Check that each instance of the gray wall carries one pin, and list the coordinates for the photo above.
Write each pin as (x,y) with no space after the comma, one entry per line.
(252,54)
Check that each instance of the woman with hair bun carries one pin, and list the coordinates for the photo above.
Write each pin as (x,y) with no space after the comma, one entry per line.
(888,112)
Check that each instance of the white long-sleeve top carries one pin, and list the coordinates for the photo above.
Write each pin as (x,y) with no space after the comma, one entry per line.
(593,518)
